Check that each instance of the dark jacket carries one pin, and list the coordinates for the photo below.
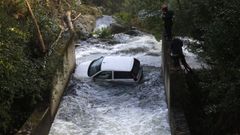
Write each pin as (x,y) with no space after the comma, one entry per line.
(168,17)
(176,47)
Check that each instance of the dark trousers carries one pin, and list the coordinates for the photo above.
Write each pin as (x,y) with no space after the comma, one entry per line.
(176,61)
(180,58)
(168,31)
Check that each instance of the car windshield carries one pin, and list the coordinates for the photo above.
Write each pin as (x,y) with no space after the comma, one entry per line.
(95,66)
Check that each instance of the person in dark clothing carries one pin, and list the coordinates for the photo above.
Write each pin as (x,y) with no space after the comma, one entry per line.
(167,16)
(177,55)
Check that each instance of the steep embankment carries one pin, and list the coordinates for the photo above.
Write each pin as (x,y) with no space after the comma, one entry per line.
(27,73)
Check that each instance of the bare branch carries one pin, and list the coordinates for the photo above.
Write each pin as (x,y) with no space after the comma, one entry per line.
(77,17)
(68,21)
(37,27)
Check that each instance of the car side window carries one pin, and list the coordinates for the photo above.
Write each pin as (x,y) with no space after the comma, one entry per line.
(104,75)
(122,75)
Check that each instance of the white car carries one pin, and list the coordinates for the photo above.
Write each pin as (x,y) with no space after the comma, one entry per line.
(111,68)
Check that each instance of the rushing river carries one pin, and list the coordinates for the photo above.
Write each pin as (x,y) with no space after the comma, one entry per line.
(107,108)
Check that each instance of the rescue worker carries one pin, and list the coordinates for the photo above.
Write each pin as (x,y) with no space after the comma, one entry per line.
(178,56)
(167,16)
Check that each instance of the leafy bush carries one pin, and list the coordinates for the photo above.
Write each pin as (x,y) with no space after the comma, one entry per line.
(216,23)
(124,17)
(24,77)
(19,79)
(103,33)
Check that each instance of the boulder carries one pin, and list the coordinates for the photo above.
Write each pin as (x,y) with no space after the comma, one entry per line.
(84,25)
(117,28)
(133,32)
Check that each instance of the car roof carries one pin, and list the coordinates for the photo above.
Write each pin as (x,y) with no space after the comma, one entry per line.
(117,63)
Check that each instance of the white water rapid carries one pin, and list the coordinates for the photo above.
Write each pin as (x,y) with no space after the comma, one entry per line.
(107,108)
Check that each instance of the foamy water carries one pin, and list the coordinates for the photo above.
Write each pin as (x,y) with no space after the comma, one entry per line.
(111,108)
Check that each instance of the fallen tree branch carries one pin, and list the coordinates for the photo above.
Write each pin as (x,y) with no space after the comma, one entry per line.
(58,38)
(59,35)
(77,17)
(67,19)
(37,27)
(67,22)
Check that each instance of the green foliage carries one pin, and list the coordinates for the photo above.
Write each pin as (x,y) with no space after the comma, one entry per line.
(127,12)
(25,75)
(153,22)
(216,22)
(123,17)
(19,79)
(217,112)
(47,23)
(110,6)
(86,9)
(13,6)
(154,25)
(222,40)
(130,6)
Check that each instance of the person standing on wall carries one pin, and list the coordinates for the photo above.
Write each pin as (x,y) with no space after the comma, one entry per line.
(167,16)
(178,56)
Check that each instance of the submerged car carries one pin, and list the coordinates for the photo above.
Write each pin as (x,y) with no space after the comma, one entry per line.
(111,68)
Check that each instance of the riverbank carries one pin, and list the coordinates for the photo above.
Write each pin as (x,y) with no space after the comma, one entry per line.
(27,71)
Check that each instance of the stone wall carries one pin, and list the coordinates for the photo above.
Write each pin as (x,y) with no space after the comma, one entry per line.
(176,93)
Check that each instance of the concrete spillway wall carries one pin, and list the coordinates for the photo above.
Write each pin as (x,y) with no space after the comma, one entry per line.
(39,123)
(176,92)
(59,84)
(62,76)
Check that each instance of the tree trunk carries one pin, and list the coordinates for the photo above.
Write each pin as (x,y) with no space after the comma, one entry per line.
(40,38)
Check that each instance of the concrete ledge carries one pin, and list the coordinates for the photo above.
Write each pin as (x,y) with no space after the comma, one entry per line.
(33,121)
(178,99)
(44,124)
(179,124)
(62,76)
(176,93)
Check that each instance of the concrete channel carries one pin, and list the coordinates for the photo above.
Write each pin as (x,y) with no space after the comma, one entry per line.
(173,88)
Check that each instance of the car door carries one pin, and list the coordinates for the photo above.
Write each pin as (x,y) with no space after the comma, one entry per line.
(103,75)
(122,76)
